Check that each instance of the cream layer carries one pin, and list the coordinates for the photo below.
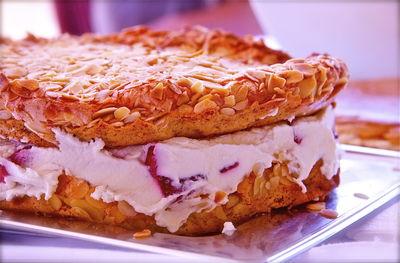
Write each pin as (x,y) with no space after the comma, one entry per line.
(166,179)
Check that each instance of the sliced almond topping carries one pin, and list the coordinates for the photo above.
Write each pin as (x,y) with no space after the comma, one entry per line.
(215,86)
(126,209)
(208,96)
(327,89)
(94,213)
(185,82)
(15,72)
(5,115)
(250,77)
(92,69)
(277,169)
(175,88)
(117,124)
(80,189)
(195,98)
(95,203)
(228,111)
(103,112)
(108,117)
(114,216)
(121,113)
(267,78)
(241,105)
(152,61)
(242,93)
(305,68)
(328,213)
(182,99)
(321,79)
(258,169)
(55,202)
(279,91)
(275,82)
(185,108)
(79,212)
(142,234)
(53,87)
(274,182)
(292,76)
(307,87)
(132,117)
(316,206)
(158,91)
(204,105)
(69,97)
(197,87)
(284,170)
(219,196)
(220,90)
(23,88)
(258,74)
(36,127)
(206,64)
(296,60)
(192,55)
(285,181)
(230,100)
(202,76)
(233,200)
(259,185)
(230,86)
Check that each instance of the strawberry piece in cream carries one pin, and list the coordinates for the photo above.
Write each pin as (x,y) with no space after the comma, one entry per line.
(3,174)
(229,167)
(22,157)
(164,183)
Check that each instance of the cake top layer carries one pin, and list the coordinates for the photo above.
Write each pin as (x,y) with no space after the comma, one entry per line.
(91,69)
(141,76)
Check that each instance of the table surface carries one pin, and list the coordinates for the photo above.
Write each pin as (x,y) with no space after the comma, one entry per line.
(375,238)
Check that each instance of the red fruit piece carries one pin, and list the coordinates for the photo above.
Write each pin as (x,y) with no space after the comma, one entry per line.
(187,181)
(192,178)
(297,139)
(229,167)
(21,157)
(3,174)
(164,182)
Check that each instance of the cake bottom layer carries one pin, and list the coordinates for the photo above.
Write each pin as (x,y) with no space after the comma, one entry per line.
(275,188)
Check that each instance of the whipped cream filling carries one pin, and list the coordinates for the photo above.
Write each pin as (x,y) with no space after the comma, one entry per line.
(169,179)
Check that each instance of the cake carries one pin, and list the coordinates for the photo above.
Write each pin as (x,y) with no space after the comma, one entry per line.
(173,131)
(368,133)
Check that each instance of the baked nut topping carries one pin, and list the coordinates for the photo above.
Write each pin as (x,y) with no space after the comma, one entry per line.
(129,80)
(328,213)
(316,206)
(142,234)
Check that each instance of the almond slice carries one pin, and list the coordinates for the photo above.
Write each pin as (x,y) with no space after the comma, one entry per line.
(142,234)
(328,213)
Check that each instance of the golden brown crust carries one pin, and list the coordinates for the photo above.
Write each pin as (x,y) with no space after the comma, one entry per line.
(191,83)
(274,189)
